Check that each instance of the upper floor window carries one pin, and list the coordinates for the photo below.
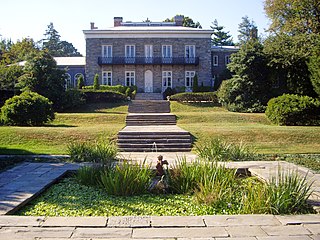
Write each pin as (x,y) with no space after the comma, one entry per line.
(107,78)
(130,53)
(190,51)
(167,53)
(148,53)
(215,60)
(130,78)
(189,75)
(227,60)
(107,51)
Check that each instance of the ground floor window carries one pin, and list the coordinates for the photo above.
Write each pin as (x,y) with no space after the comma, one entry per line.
(107,78)
(166,80)
(130,78)
(189,75)
(69,83)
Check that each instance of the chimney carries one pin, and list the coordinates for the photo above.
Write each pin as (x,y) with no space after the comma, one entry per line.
(92,26)
(117,21)
(178,19)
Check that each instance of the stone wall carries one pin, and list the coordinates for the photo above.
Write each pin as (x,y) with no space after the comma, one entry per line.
(203,70)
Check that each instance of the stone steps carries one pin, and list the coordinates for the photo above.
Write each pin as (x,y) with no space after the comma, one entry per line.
(154,138)
(150,119)
(149,106)
(149,96)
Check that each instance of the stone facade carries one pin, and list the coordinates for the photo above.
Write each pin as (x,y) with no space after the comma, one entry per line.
(176,36)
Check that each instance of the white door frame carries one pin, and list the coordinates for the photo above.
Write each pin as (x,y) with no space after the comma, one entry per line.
(148,81)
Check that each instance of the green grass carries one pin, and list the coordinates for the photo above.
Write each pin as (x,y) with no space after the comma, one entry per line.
(90,123)
(206,122)
(203,120)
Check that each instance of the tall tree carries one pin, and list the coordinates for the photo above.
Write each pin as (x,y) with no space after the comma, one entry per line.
(221,38)
(247,30)
(44,77)
(55,46)
(187,22)
(293,16)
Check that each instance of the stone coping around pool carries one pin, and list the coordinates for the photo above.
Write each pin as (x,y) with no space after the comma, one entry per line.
(27,180)
(150,227)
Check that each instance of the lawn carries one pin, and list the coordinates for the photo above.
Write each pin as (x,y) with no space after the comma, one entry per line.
(202,120)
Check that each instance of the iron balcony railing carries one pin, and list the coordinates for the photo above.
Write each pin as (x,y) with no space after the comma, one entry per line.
(147,61)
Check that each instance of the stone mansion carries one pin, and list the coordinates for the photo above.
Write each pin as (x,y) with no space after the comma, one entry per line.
(150,55)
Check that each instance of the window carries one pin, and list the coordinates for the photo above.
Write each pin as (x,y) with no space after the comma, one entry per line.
(189,75)
(107,51)
(190,53)
(166,80)
(227,60)
(107,78)
(215,60)
(148,49)
(130,78)
(68,81)
(167,53)
(130,53)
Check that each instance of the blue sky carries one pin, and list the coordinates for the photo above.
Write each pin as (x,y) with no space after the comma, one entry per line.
(29,18)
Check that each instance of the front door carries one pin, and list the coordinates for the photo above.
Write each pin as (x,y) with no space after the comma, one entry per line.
(148,82)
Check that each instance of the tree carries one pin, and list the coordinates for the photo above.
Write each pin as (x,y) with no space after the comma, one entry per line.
(247,91)
(187,22)
(20,51)
(248,30)
(41,75)
(288,58)
(293,16)
(221,38)
(96,84)
(9,76)
(314,68)
(80,82)
(55,46)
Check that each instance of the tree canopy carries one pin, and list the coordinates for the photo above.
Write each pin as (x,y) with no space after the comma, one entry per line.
(55,46)
(247,30)
(293,16)
(187,22)
(220,37)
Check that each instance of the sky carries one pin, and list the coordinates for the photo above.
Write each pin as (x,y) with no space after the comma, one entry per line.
(29,18)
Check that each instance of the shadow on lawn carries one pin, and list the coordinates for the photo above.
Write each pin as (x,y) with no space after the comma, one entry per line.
(99,108)
(202,104)
(14,151)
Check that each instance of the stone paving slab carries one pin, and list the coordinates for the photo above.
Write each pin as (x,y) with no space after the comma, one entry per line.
(130,221)
(289,230)
(75,222)
(31,233)
(21,221)
(196,232)
(240,220)
(177,221)
(102,233)
(313,228)
(285,238)
(299,219)
(245,231)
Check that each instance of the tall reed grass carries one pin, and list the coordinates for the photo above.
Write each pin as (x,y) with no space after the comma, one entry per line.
(218,150)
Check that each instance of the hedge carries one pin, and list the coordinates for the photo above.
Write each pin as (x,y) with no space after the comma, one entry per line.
(290,110)
(195,97)
(95,96)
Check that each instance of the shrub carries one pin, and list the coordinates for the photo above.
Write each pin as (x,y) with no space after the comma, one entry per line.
(89,175)
(95,96)
(218,150)
(126,179)
(96,84)
(80,83)
(195,97)
(293,110)
(73,99)
(168,92)
(195,85)
(101,152)
(241,95)
(27,109)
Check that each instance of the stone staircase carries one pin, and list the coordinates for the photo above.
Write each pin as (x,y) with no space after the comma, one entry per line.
(152,128)
(149,96)
(149,106)
(145,119)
